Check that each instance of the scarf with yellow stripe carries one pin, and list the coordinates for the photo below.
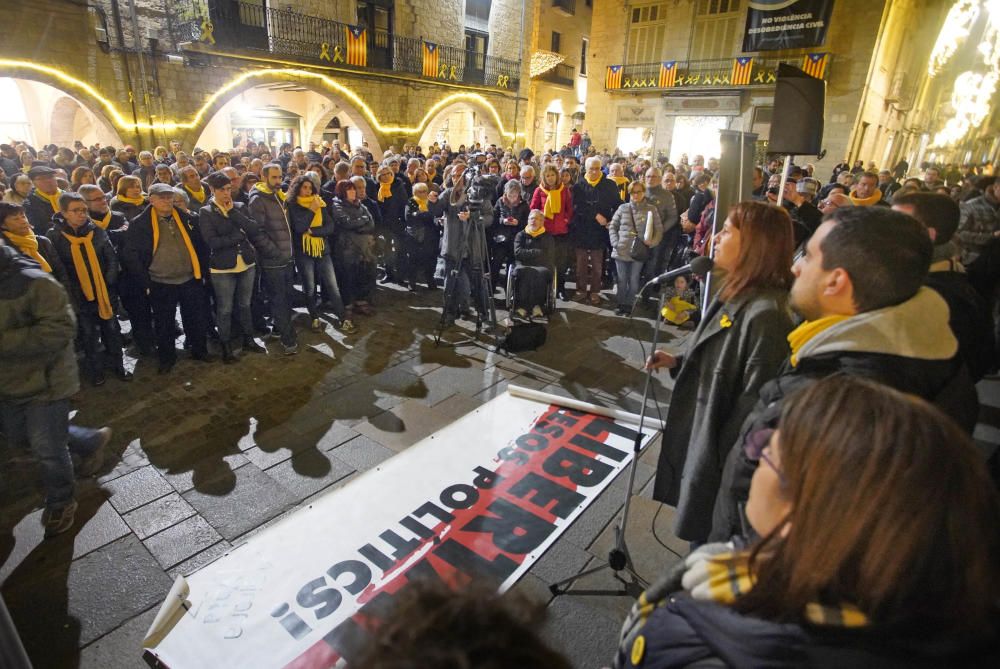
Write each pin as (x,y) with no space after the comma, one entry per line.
(137,201)
(622,183)
(28,245)
(553,202)
(103,222)
(198,195)
(313,246)
(53,200)
(384,191)
(195,264)
(91,282)
(798,337)
(262,187)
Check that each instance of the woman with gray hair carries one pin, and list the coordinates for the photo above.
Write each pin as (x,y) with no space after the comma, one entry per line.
(511,217)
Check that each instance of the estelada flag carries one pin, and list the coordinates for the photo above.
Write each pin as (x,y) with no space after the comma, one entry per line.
(430,59)
(814,64)
(668,74)
(357,46)
(741,71)
(614,77)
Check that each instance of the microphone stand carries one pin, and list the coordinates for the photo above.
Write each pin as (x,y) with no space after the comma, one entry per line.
(619,559)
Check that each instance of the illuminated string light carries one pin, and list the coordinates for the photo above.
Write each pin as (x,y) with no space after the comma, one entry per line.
(167,126)
(973,90)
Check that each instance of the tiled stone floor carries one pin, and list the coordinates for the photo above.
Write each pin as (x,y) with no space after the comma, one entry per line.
(210,454)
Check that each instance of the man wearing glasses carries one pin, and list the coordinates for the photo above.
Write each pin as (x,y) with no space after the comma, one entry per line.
(91,274)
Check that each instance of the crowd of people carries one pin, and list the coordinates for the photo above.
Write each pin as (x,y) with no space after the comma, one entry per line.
(841,343)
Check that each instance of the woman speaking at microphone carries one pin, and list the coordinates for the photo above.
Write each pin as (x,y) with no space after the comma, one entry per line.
(738,346)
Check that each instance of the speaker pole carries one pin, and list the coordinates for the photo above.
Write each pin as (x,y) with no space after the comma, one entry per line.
(784,179)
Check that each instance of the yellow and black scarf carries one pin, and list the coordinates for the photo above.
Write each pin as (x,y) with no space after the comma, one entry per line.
(91,283)
(195,264)
(313,246)
(28,245)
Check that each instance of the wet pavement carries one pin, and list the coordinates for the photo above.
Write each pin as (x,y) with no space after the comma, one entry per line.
(211,453)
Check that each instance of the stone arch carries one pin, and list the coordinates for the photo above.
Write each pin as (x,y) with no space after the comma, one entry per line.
(60,113)
(462,122)
(348,118)
(263,78)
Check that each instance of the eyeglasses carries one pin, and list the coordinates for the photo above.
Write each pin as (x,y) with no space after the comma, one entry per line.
(756,448)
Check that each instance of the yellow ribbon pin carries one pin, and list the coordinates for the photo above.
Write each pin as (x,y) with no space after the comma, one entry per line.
(324,51)
(725,321)
(638,650)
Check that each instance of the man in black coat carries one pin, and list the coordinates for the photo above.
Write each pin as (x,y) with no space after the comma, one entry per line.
(859,287)
(595,200)
(666,206)
(91,274)
(43,201)
(969,314)
(165,253)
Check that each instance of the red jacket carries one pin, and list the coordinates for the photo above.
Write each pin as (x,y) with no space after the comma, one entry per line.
(559,225)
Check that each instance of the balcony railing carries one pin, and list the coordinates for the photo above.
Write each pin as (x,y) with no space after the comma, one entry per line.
(562,74)
(701,74)
(284,33)
(565,7)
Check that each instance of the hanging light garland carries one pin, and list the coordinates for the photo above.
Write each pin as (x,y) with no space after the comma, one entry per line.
(973,90)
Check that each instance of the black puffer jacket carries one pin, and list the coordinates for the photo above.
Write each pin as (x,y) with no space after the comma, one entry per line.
(106,256)
(225,236)
(684,632)
(269,212)
(47,251)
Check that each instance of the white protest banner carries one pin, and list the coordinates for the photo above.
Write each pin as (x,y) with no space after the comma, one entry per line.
(483,497)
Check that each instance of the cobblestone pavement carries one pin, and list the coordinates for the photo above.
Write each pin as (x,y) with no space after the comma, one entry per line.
(213,453)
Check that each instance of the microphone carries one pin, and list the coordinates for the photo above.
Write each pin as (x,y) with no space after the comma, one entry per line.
(700,265)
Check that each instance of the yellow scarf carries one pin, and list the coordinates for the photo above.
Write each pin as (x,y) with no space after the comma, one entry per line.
(262,187)
(537,232)
(384,191)
(195,265)
(798,337)
(595,181)
(553,202)
(137,201)
(51,199)
(421,202)
(222,210)
(103,222)
(867,202)
(28,244)
(91,283)
(622,186)
(431,174)
(198,194)
(313,246)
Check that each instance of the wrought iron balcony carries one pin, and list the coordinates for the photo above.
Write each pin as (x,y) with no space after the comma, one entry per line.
(281,33)
(565,7)
(702,74)
(562,74)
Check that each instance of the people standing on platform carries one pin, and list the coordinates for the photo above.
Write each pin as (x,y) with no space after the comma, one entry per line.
(737,347)
(861,277)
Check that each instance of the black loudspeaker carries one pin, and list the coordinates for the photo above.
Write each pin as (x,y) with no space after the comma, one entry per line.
(797,120)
